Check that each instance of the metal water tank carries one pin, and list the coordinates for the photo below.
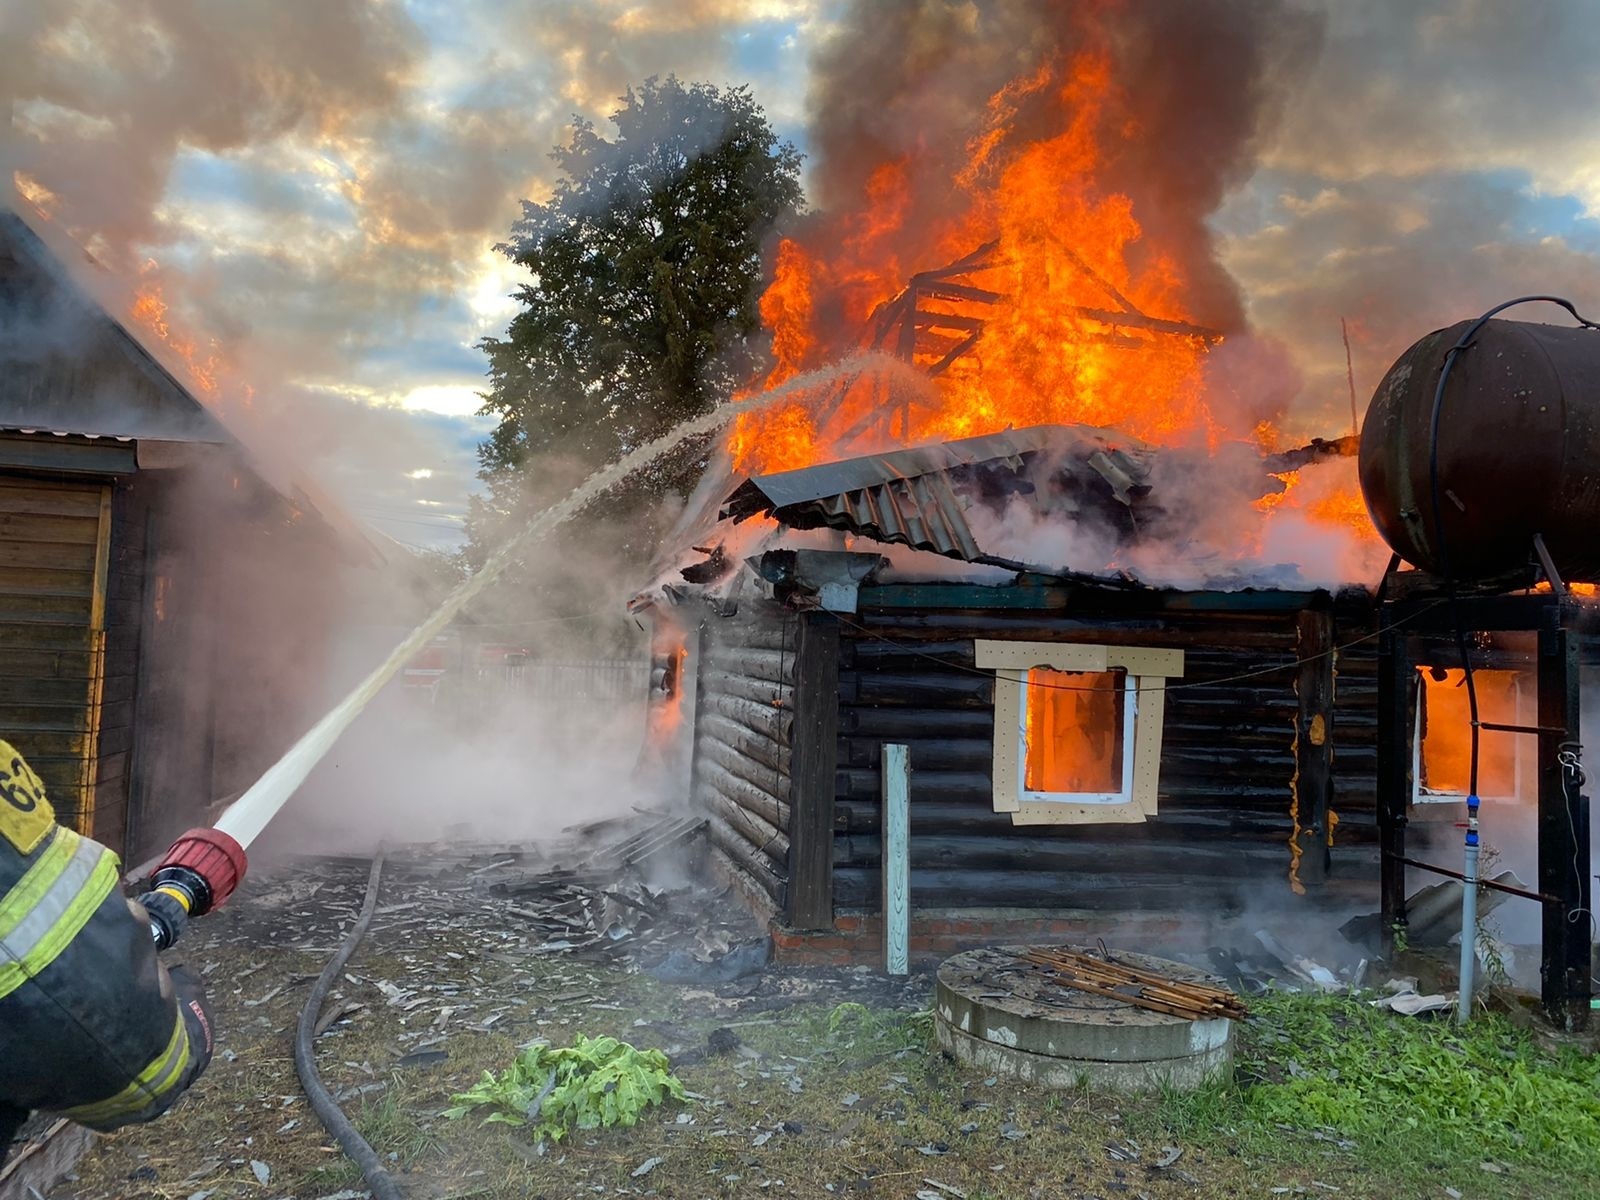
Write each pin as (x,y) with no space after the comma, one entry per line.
(1519,452)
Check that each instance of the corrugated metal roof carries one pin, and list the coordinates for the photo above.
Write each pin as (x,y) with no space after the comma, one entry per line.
(920,497)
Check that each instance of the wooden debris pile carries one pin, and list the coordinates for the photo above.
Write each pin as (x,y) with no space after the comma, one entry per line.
(1141,988)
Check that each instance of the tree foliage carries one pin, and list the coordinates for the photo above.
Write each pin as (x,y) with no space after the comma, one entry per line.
(642,311)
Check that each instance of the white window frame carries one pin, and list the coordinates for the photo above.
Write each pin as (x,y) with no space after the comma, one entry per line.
(1144,707)
(1521,783)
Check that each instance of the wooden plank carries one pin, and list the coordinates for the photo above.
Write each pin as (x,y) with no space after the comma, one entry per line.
(896,865)
(1395,684)
(1563,832)
(26,527)
(45,500)
(71,556)
(813,758)
(1313,744)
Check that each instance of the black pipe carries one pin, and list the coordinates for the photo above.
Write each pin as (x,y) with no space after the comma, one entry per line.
(323,1104)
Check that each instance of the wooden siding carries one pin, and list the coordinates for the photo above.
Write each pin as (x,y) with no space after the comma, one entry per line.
(742,730)
(1222,832)
(54,552)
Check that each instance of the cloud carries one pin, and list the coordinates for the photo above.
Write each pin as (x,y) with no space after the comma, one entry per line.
(316,189)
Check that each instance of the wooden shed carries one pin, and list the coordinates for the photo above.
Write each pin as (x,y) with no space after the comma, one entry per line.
(1086,751)
(163,607)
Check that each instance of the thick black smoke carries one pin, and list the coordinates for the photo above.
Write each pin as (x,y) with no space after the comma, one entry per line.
(1195,88)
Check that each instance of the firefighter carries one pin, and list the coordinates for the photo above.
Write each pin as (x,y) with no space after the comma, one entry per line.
(92,1026)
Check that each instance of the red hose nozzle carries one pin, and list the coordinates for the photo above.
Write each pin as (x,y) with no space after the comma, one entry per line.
(206,865)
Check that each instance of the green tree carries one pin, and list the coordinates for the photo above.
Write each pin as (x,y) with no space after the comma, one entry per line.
(642,312)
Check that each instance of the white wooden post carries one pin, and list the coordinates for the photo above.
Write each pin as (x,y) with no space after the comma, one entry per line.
(896,827)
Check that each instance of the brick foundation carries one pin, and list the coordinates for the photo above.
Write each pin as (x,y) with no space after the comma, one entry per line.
(936,934)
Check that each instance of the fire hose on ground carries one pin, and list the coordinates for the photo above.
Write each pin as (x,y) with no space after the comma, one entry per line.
(333,1119)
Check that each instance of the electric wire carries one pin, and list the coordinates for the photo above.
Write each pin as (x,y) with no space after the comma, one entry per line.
(333,1119)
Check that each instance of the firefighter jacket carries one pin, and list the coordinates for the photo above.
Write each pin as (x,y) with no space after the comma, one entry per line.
(92,1026)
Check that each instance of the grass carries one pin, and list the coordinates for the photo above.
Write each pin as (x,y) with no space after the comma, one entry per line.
(1406,1095)
(1328,1091)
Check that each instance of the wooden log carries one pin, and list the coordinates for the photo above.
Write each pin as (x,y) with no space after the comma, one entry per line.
(715,779)
(758,746)
(762,839)
(744,856)
(858,887)
(1087,854)
(811,792)
(763,720)
(754,662)
(1312,787)
(853,784)
(759,691)
(907,688)
(971,817)
(772,630)
(873,723)
(962,754)
(761,779)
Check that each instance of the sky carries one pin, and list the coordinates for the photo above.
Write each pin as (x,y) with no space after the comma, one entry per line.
(314,188)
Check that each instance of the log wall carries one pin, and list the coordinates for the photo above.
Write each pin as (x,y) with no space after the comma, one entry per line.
(1222,836)
(740,777)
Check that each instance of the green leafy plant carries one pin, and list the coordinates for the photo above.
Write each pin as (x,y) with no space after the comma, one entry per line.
(594,1083)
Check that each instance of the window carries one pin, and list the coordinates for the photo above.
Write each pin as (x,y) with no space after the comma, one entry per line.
(1442,743)
(1077,730)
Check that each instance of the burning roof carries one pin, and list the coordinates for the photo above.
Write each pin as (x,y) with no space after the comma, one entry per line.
(921,497)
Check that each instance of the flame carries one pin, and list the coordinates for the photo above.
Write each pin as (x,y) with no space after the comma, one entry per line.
(1070,257)
(1073,734)
(1447,737)
(203,367)
(667,709)
(1274,500)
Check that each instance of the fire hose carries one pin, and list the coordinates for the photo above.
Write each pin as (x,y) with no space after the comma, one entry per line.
(356,1147)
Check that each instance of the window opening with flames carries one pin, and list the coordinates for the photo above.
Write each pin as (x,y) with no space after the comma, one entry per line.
(1077,729)
(1075,734)
(1442,741)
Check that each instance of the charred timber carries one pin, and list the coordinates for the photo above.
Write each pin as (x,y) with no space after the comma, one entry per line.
(895,724)
(974,852)
(744,856)
(902,688)
(934,817)
(761,721)
(768,754)
(763,840)
(717,780)
(766,786)
(731,683)
(753,662)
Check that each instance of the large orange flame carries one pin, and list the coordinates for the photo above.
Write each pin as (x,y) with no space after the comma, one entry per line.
(1069,255)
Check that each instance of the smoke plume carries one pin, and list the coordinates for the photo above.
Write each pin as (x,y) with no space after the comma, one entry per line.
(1195,88)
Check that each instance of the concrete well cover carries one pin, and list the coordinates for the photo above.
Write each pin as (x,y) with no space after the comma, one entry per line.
(992,999)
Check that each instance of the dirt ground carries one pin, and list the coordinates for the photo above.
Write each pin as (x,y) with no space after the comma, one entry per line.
(801,1098)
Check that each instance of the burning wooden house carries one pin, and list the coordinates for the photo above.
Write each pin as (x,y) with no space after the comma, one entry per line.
(1080,743)
(163,599)
(1091,731)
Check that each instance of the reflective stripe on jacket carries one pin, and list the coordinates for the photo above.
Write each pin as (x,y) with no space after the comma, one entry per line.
(91,1025)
